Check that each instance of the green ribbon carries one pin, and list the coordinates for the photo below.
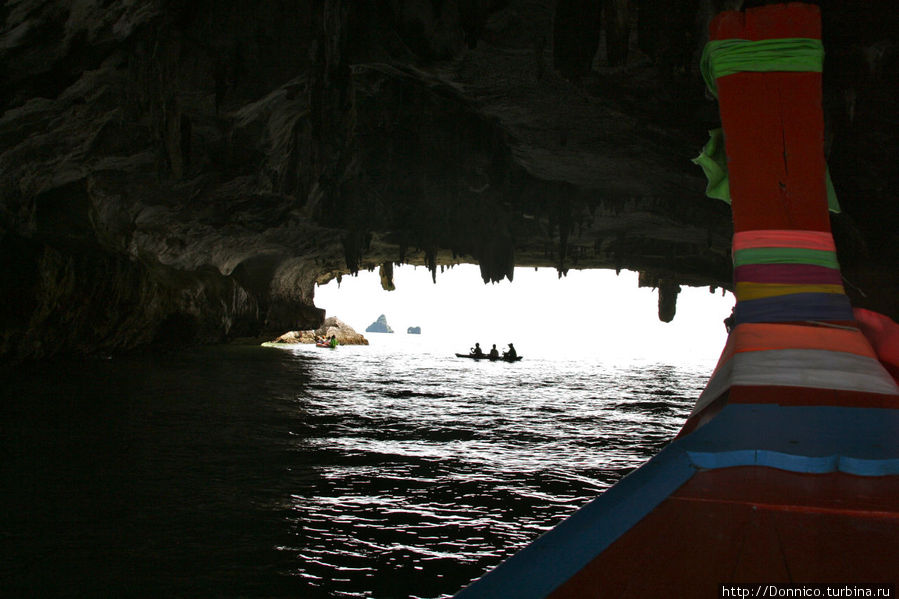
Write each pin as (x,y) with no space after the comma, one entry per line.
(713,160)
(726,57)
(786,256)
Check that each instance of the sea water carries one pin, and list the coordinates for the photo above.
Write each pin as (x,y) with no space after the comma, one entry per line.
(392,470)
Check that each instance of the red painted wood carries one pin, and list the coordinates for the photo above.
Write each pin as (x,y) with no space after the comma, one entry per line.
(756,524)
(804,396)
(795,19)
(752,525)
(774,134)
(774,128)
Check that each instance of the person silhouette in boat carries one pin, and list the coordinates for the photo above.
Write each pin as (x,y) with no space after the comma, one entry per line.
(511,354)
(729,322)
(494,353)
(476,350)
(332,341)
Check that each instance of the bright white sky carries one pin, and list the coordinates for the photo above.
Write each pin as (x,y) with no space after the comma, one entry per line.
(592,313)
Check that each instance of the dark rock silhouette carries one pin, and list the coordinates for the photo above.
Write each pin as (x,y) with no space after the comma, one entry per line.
(413,331)
(379,326)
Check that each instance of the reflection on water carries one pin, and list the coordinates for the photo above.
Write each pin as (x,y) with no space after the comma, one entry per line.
(360,472)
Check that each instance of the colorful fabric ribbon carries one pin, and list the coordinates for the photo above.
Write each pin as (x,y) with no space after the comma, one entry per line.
(721,58)
(797,307)
(786,276)
(793,274)
(781,238)
(790,355)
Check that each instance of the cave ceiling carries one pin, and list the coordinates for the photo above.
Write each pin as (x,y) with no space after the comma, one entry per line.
(177,172)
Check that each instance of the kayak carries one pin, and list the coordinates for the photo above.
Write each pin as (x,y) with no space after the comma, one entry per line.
(325,345)
(487,357)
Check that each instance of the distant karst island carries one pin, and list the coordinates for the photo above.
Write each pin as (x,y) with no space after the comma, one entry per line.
(379,326)
(413,331)
(345,334)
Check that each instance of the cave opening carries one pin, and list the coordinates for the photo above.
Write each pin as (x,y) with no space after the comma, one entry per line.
(590,314)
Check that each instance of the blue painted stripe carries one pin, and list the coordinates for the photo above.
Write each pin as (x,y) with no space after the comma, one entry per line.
(794,463)
(551,560)
(794,308)
(809,439)
(863,467)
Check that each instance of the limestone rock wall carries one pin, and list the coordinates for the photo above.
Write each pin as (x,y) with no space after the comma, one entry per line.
(178,172)
(344,333)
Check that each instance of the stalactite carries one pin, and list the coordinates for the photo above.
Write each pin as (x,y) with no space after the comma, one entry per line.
(496,259)
(668,290)
(386,274)
(431,260)
(355,244)
(564,232)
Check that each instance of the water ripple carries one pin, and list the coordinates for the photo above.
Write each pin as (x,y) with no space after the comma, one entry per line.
(440,469)
(361,472)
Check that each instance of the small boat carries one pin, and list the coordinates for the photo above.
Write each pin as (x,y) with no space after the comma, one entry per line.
(328,345)
(787,469)
(487,357)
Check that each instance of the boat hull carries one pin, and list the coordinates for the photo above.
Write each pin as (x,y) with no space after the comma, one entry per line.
(488,358)
(787,470)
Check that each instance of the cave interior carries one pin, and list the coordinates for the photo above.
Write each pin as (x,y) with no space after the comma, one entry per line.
(176,173)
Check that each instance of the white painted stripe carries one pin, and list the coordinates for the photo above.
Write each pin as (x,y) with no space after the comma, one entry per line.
(812,368)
